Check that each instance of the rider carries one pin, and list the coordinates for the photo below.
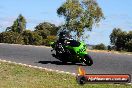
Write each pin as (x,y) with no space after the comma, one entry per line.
(63,37)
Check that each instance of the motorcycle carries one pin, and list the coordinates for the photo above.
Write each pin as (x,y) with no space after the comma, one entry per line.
(72,51)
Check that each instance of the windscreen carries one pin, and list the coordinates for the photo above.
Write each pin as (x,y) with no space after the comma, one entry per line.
(74,43)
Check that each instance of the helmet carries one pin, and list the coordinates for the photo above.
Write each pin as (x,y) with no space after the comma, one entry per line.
(64,35)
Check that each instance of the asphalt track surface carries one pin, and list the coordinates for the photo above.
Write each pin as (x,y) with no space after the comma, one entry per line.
(104,63)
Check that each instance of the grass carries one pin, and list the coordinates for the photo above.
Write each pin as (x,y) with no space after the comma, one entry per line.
(17,76)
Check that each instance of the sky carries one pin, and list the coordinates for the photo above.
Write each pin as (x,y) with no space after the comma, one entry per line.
(118,14)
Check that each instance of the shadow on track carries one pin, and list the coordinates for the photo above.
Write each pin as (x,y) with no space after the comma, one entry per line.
(61,63)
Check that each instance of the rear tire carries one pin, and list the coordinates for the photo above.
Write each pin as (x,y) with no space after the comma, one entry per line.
(88,60)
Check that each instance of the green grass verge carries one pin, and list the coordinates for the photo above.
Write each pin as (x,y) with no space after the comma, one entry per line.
(17,76)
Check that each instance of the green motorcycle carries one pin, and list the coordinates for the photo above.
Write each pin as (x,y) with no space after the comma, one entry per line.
(71,51)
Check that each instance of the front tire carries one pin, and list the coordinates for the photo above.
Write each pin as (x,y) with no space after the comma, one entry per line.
(88,60)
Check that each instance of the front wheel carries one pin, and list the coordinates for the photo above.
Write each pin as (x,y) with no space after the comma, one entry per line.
(88,60)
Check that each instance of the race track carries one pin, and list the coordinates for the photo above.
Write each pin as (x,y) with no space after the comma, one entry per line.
(41,56)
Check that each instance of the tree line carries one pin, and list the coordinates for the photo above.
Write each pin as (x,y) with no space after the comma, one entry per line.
(120,41)
(18,34)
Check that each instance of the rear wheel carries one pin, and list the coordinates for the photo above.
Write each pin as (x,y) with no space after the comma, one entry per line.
(88,60)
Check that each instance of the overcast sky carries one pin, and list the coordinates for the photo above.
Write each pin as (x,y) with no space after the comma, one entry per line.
(118,14)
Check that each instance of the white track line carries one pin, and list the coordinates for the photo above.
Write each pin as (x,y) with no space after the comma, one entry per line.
(41,68)
(74,74)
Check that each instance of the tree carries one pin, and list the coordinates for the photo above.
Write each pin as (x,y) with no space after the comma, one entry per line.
(18,26)
(109,47)
(118,38)
(121,40)
(45,29)
(129,36)
(100,47)
(80,15)
(113,35)
(129,46)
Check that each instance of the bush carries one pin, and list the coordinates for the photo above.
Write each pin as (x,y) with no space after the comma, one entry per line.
(11,37)
(48,40)
(100,47)
(37,40)
(32,38)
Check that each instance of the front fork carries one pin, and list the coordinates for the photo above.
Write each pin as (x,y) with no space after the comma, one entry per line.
(81,56)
